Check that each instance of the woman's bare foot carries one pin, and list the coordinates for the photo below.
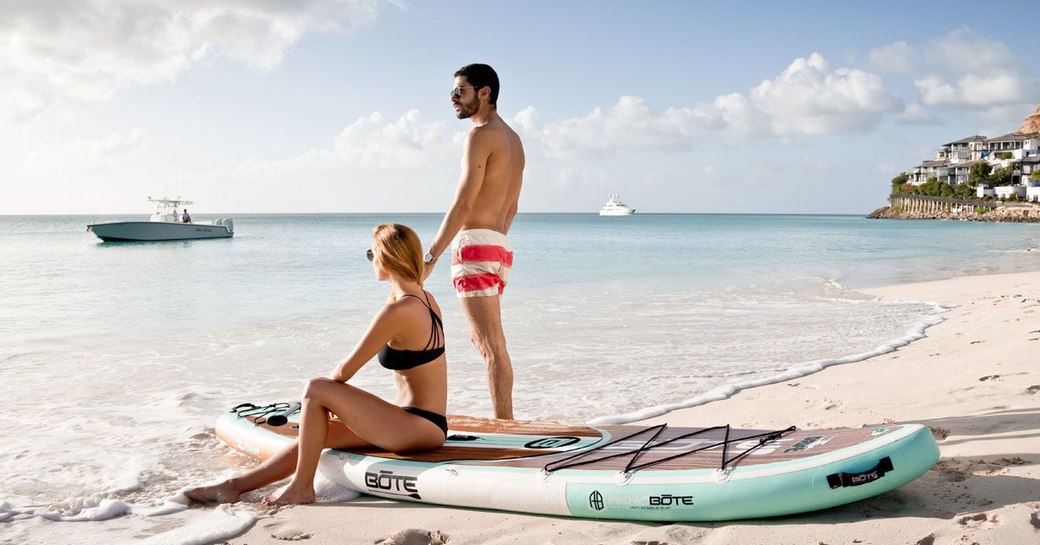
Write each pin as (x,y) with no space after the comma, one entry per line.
(217,493)
(292,495)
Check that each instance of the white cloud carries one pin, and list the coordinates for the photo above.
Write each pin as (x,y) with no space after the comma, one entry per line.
(68,51)
(807,98)
(962,69)
(742,119)
(916,114)
(374,163)
(976,91)
(572,178)
(527,120)
(630,124)
(408,142)
(1003,119)
(87,153)
(963,51)
(810,98)
(896,58)
(408,147)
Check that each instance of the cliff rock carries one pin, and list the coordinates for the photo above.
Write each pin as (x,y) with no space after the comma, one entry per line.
(1031,124)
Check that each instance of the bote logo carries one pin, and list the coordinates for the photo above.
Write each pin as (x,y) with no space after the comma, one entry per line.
(668,499)
(552,442)
(390,483)
(596,500)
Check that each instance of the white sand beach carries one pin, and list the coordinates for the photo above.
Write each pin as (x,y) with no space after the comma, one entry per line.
(974,379)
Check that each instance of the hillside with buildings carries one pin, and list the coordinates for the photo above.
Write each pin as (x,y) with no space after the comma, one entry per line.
(976,177)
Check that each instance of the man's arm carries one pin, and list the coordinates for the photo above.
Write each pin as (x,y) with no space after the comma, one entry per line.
(475,153)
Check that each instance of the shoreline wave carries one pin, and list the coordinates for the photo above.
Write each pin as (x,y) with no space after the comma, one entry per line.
(917,332)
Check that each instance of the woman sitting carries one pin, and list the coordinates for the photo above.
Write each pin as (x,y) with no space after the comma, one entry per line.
(408,338)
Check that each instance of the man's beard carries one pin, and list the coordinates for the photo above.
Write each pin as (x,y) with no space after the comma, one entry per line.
(467,109)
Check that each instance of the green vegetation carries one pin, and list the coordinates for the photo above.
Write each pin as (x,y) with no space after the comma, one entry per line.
(1000,177)
(1004,155)
(934,188)
(979,174)
(900,182)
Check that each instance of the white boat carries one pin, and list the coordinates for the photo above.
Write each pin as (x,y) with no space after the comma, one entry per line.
(164,224)
(615,207)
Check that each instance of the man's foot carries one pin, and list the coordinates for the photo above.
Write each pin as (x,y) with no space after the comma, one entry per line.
(217,493)
(291,496)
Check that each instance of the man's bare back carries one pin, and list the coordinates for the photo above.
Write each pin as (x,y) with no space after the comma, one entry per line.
(495,202)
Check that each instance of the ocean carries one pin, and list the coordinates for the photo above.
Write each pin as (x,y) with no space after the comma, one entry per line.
(116,358)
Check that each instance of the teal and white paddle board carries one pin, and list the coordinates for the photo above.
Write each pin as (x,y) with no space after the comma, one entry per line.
(624,472)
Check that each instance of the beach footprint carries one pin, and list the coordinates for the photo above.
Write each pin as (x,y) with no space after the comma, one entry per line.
(998,466)
(832,404)
(951,471)
(283,532)
(414,536)
(939,433)
(981,521)
(962,533)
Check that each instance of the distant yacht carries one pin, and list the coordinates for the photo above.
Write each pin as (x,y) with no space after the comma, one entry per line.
(164,224)
(615,207)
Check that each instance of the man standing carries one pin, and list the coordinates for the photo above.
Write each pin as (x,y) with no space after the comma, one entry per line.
(477,223)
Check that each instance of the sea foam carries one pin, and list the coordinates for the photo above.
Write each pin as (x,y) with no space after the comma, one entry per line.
(917,331)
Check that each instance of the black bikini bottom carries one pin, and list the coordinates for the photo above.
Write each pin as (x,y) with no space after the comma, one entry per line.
(438,419)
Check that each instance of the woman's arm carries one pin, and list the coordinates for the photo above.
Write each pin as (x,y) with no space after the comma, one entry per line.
(382,328)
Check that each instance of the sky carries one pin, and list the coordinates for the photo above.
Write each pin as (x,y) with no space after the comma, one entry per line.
(270,106)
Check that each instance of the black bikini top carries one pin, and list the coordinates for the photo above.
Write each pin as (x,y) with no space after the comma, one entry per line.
(395,359)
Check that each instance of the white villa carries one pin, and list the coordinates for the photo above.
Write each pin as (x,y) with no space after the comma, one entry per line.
(954,160)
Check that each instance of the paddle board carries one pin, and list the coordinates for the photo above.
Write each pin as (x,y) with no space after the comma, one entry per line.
(625,472)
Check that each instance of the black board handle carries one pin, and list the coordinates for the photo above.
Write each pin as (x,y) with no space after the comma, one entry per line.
(840,480)
(281,417)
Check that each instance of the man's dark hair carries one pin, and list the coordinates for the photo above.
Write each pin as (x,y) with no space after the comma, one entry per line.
(479,76)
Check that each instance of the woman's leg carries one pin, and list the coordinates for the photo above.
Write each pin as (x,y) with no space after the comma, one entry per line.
(373,420)
(314,430)
(275,468)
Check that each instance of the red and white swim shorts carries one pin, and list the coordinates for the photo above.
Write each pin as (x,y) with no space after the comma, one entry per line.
(480,262)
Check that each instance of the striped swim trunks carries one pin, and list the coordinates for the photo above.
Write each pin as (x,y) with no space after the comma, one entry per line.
(480,262)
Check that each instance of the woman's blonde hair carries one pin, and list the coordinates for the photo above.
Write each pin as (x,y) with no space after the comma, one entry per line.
(399,250)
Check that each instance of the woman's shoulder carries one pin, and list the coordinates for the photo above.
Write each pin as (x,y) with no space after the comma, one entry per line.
(411,303)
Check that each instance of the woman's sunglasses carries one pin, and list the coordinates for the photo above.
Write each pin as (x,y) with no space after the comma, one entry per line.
(370,254)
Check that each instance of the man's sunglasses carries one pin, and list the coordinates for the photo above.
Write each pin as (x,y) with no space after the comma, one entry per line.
(457,91)
(370,254)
